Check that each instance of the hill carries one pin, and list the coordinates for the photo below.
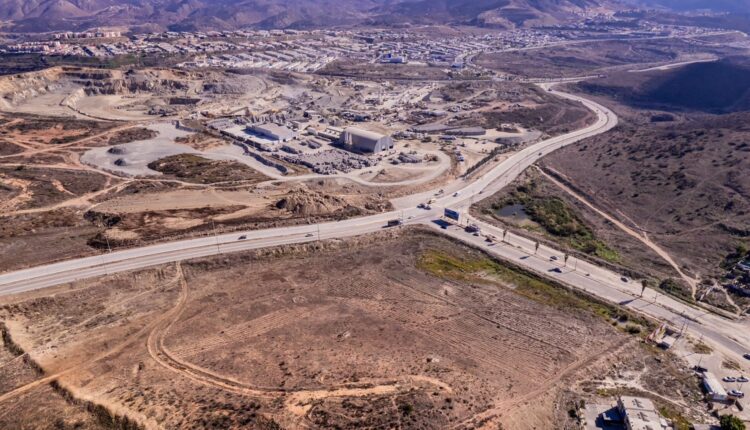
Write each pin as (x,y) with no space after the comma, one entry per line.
(48,15)
(712,87)
(731,6)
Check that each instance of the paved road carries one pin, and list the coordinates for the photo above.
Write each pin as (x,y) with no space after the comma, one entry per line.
(732,337)
(466,192)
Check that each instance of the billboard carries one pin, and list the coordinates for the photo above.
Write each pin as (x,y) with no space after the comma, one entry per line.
(451,214)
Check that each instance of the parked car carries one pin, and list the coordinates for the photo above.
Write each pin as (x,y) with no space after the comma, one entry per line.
(742,379)
(736,393)
(729,379)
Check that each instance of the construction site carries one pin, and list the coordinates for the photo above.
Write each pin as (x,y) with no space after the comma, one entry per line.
(134,156)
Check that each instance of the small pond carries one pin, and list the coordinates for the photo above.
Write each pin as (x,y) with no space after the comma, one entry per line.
(517,212)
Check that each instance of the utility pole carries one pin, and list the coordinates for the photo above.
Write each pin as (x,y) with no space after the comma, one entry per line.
(216,237)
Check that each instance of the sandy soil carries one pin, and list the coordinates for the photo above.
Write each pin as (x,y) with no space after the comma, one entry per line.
(298,340)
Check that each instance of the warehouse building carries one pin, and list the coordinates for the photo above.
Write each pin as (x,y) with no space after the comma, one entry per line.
(640,414)
(270,131)
(361,140)
(713,388)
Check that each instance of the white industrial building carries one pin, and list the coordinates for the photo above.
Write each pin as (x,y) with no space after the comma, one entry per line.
(714,390)
(274,132)
(640,414)
(361,140)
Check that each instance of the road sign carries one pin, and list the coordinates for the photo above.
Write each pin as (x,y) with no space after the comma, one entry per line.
(451,214)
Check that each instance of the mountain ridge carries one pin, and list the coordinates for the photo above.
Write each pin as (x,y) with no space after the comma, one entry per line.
(77,15)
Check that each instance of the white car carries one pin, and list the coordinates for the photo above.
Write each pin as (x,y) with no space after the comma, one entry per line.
(729,379)
(736,393)
(742,379)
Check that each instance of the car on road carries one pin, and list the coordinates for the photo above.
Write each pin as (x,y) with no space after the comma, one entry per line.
(624,279)
(747,356)
(554,258)
(309,235)
(700,369)
(736,393)
(428,207)
(455,194)
(729,379)
(421,206)
(742,379)
(243,237)
(557,270)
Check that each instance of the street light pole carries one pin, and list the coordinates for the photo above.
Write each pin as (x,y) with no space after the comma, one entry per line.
(216,237)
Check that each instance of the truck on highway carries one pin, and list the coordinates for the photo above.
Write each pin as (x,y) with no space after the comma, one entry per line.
(394,223)
(472,228)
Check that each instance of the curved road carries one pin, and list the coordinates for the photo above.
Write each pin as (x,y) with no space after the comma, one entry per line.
(731,337)
(467,192)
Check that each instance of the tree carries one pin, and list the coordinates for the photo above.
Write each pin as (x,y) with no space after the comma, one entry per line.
(730,422)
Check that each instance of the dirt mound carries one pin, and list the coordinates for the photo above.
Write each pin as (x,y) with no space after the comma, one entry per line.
(192,168)
(308,203)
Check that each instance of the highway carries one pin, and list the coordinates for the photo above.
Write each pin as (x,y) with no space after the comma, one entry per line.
(732,337)
(459,195)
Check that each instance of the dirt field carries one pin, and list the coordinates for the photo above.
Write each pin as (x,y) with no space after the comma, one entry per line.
(409,331)
(595,57)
